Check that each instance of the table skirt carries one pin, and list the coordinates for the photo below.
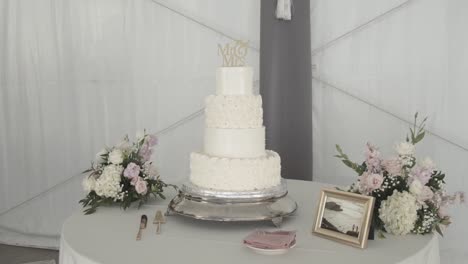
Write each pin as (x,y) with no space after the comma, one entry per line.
(108,236)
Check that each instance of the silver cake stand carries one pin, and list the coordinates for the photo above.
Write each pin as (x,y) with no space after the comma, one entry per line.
(271,204)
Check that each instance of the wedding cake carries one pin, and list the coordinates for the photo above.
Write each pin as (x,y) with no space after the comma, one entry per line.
(234,157)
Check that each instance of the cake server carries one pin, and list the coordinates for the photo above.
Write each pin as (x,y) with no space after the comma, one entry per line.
(159,219)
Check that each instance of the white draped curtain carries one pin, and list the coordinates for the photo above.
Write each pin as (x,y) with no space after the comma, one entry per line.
(76,75)
(375,64)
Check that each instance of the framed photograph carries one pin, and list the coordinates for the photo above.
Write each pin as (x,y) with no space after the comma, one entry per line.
(344,217)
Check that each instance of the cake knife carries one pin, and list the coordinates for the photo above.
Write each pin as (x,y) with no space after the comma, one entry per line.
(143,221)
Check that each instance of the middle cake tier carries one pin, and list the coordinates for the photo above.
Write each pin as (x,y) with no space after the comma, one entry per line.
(235,143)
(234,111)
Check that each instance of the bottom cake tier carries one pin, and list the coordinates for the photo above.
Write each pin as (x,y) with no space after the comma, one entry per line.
(235,174)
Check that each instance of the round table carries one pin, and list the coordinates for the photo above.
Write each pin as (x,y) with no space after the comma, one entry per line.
(108,236)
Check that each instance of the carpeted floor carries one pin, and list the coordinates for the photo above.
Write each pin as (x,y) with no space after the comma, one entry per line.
(20,255)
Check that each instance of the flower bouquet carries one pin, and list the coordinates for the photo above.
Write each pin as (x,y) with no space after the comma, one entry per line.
(123,174)
(410,195)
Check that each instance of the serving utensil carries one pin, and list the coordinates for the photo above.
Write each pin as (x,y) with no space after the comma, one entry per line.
(159,219)
(143,222)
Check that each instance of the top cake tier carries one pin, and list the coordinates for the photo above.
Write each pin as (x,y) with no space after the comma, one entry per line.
(234,81)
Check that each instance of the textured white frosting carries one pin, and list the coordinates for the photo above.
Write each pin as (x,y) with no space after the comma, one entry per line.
(235,143)
(234,80)
(235,174)
(234,111)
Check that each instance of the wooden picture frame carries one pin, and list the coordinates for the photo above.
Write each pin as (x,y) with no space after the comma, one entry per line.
(349,217)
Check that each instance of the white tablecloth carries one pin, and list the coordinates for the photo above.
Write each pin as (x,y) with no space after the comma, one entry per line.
(108,236)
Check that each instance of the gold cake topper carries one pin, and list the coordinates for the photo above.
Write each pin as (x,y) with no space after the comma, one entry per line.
(233,53)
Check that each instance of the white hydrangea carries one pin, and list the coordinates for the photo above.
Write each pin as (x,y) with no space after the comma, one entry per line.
(405,149)
(89,183)
(399,213)
(108,184)
(116,156)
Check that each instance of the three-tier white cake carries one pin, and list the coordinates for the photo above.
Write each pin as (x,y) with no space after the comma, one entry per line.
(234,156)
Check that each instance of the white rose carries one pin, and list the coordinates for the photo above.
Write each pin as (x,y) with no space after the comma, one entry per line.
(416,187)
(116,156)
(89,183)
(405,149)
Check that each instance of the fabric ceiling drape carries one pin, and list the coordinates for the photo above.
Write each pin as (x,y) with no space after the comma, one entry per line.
(377,63)
(78,75)
(285,85)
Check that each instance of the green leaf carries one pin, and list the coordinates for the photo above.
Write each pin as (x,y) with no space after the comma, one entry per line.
(338,148)
(349,164)
(419,138)
(86,171)
(437,228)
(90,211)
(380,234)
(417,131)
(415,120)
(446,221)
(340,151)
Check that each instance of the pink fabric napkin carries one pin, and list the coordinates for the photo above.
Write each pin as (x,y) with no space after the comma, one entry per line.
(271,240)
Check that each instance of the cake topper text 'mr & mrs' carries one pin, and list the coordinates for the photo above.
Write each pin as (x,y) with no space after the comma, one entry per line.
(233,53)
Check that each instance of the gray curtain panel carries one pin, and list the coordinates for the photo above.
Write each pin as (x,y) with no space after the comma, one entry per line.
(285,85)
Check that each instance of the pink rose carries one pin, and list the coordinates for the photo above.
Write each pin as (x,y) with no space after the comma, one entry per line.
(443,211)
(422,174)
(363,183)
(393,166)
(150,170)
(135,180)
(369,182)
(141,186)
(132,170)
(374,181)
